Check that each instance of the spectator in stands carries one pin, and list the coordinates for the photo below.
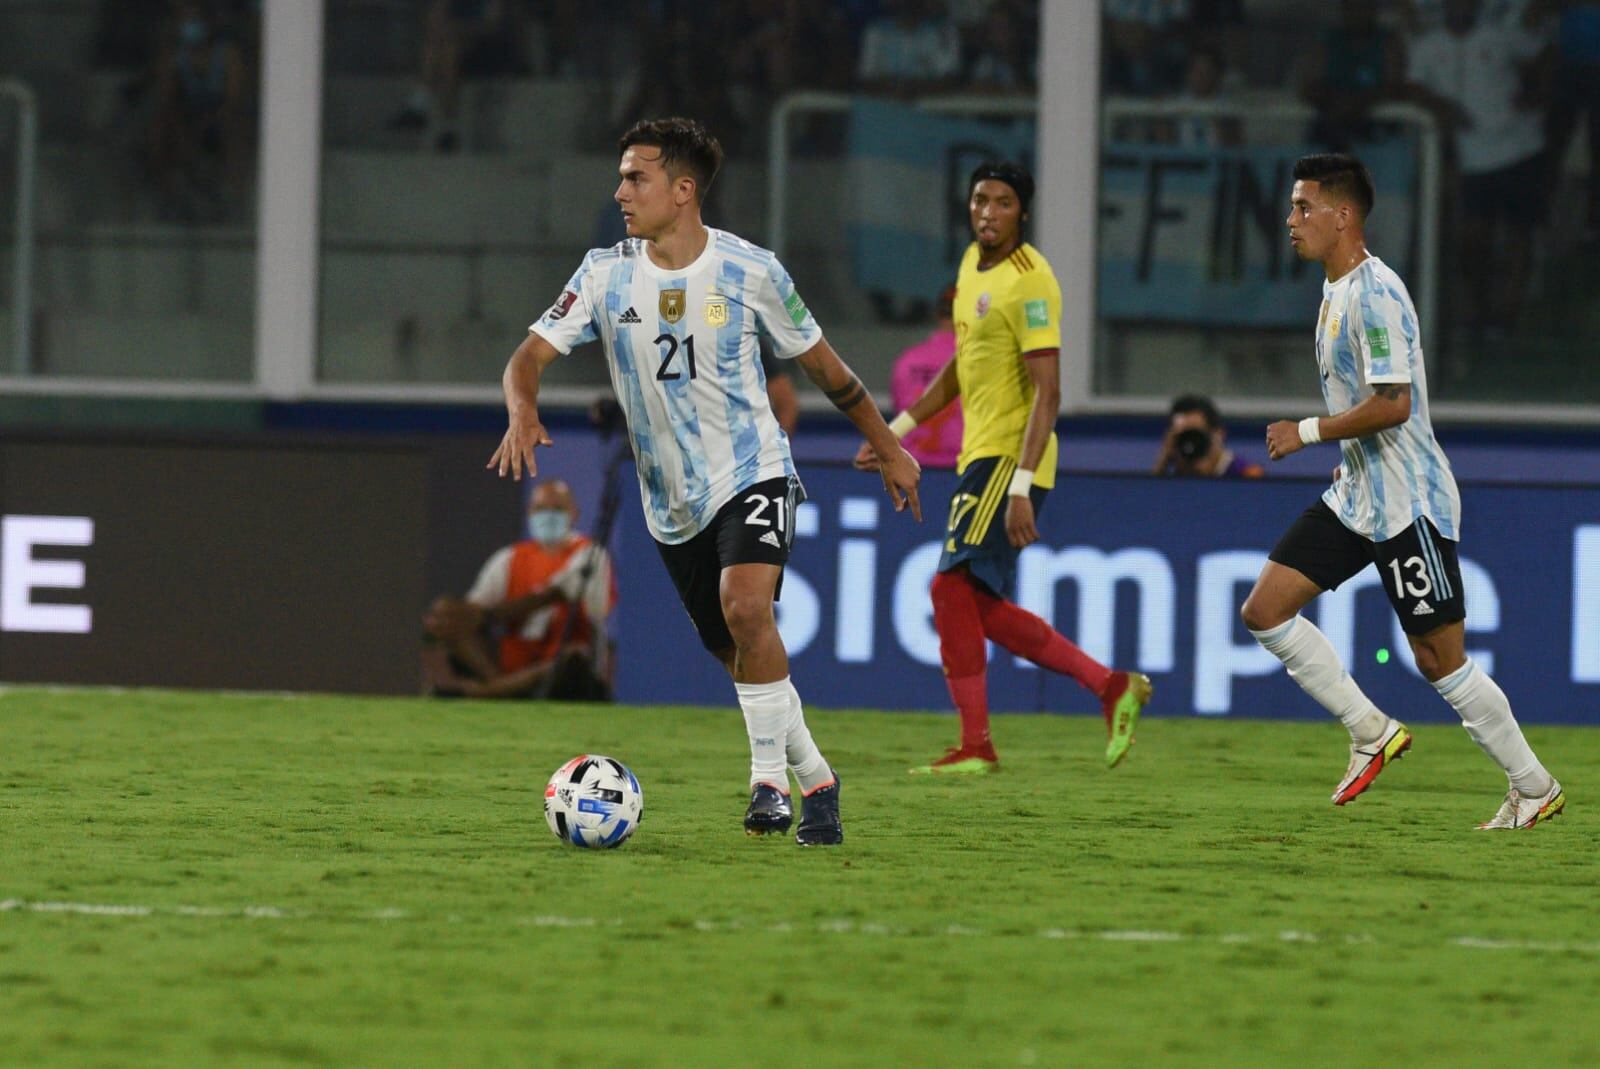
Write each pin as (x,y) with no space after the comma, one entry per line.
(1358,64)
(534,621)
(1003,60)
(462,39)
(1480,74)
(1577,95)
(1196,443)
(1144,46)
(936,442)
(199,138)
(676,81)
(1208,81)
(911,50)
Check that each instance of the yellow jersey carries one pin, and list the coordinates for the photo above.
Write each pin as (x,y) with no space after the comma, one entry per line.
(1010,310)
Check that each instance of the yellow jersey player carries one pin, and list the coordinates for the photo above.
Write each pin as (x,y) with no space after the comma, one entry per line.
(1006,372)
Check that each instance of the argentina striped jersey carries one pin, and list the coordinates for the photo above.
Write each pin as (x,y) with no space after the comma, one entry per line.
(1368,334)
(684,354)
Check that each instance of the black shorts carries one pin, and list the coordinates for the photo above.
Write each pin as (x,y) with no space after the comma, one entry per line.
(1419,568)
(755,527)
(975,534)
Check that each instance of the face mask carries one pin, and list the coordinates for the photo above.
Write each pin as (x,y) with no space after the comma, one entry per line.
(549,526)
(192,31)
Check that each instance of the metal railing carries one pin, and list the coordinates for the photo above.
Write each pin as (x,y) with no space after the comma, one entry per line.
(1430,164)
(839,103)
(23,231)
(1114,109)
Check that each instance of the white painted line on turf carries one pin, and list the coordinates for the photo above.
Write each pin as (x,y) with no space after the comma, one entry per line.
(827,927)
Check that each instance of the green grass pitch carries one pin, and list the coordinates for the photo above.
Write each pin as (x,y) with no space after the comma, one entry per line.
(198,879)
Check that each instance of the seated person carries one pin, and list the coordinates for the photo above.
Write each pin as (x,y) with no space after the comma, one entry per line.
(533,623)
(1195,443)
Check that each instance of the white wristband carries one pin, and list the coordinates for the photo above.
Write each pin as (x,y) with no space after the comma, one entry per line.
(1311,430)
(902,425)
(1021,483)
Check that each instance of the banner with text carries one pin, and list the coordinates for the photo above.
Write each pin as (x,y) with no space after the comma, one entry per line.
(1187,235)
(1145,575)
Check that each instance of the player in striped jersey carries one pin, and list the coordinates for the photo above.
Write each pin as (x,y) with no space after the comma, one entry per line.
(1393,503)
(1006,373)
(679,309)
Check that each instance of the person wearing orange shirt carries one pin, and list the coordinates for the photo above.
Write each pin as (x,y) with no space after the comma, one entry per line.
(533,623)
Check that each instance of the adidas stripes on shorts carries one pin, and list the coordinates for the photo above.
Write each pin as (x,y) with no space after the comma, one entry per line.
(1419,568)
(755,527)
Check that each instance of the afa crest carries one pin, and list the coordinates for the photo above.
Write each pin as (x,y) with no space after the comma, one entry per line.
(672,304)
(716,311)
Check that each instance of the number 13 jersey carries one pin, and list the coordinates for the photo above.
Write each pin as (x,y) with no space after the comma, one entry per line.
(683,349)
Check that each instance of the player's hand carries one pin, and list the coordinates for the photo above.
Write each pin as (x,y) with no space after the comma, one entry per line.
(1283,438)
(1338,472)
(901,474)
(867,458)
(516,448)
(1020,529)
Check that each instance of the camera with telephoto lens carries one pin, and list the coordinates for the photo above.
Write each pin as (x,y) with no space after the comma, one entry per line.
(1193,443)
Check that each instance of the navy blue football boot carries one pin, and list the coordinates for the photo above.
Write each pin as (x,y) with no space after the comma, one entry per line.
(819,816)
(770,812)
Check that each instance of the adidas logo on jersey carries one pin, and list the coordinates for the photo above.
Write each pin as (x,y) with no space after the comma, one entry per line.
(1422,609)
(630,316)
(771,539)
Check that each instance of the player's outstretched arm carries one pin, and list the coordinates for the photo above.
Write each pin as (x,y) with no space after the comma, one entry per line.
(1389,405)
(523,429)
(940,392)
(900,470)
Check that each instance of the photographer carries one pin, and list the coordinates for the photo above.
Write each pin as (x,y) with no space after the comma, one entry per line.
(533,624)
(1195,443)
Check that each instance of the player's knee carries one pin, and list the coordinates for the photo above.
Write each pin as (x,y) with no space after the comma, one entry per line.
(1258,615)
(749,617)
(1435,664)
(945,589)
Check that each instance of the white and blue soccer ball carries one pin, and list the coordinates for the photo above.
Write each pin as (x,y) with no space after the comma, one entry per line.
(593,801)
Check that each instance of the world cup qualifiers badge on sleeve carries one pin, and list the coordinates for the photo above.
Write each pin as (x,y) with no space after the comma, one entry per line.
(562,306)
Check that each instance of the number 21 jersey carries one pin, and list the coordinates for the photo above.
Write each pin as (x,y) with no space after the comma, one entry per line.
(683,348)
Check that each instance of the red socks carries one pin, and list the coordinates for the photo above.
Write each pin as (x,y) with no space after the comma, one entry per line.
(956,618)
(1026,635)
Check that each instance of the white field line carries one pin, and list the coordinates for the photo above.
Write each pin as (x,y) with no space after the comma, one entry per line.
(825,927)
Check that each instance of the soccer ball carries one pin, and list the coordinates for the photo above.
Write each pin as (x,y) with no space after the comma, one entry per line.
(593,801)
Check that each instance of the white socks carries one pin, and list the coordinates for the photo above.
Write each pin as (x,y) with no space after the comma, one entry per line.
(779,738)
(1486,714)
(766,718)
(1312,663)
(804,757)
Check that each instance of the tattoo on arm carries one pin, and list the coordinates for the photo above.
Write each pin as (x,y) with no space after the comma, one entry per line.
(849,395)
(1389,391)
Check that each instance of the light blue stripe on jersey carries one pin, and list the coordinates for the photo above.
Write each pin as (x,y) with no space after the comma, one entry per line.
(1441,579)
(651,476)
(730,246)
(731,370)
(678,396)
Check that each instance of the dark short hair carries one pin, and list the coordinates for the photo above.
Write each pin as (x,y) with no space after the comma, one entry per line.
(1012,174)
(686,149)
(1193,402)
(1340,174)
